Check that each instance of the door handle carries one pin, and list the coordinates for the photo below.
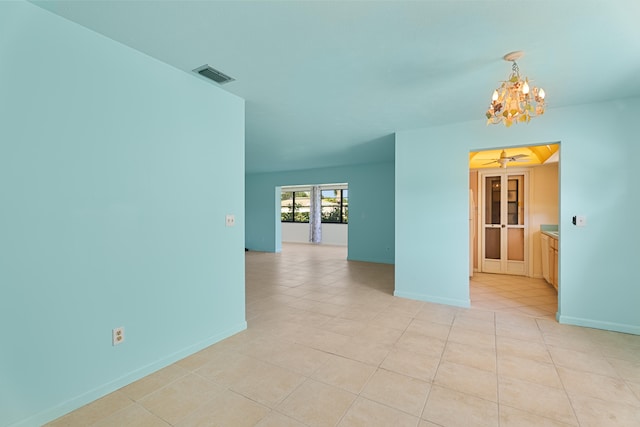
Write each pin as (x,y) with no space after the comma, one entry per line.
(503,226)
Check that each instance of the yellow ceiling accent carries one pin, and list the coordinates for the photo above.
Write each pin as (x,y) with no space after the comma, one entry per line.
(526,156)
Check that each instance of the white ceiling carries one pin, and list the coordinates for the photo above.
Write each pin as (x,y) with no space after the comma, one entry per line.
(327,83)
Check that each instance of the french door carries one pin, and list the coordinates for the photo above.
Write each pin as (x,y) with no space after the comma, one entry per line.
(504,197)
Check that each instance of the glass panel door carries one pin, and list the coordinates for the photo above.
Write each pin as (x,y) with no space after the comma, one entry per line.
(492,217)
(504,225)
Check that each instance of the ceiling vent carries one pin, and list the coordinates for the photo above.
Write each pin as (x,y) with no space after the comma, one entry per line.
(213,74)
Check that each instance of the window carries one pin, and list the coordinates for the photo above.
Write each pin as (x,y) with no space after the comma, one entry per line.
(295,205)
(335,206)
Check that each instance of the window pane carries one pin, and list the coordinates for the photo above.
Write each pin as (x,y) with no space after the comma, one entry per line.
(301,212)
(330,205)
(286,206)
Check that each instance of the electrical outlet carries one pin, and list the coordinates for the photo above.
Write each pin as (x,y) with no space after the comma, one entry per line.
(230,220)
(117,336)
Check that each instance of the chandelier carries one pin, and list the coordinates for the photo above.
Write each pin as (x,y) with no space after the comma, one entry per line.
(514,101)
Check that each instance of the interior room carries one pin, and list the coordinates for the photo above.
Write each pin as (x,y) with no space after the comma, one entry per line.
(144,149)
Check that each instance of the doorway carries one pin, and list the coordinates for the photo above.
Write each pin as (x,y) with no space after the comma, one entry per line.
(522,196)
(296,203)
(504,230)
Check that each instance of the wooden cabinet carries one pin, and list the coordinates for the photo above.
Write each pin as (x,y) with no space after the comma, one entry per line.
(553,261)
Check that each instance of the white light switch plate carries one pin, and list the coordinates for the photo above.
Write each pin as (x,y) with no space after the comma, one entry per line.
(581,220)
(230,220)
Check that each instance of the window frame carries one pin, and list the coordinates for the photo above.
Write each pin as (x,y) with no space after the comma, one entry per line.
(307,189)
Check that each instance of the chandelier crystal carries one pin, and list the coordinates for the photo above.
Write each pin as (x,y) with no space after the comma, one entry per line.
(515,101)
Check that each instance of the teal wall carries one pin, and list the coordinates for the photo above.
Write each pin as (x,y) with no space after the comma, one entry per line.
(599,151)
(116,172)
(371,208)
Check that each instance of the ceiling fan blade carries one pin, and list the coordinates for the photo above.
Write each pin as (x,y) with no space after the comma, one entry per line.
(518,156)
(492,161)
(519,160)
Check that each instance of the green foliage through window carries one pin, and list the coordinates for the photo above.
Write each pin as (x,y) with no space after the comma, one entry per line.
(295,206)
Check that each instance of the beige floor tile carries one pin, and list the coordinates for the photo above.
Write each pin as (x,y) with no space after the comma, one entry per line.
(175,401)
(470,355)
(598,386)
(475,324)
(344,326)
(411,364)
(347,374)
(317,404)
(631,354)
(593,412)
(394,320)
(267,384)
(437,313)
(398,391)
(525,349)
(463,335)
(195,361)
(380,334)
(635,387)
(467,379)
(473,314)
(518,327)
(629,370)
(364,351)
(367,413)
(581,361)
(511,417)
(421,343)
(319,339)
(564,339)
(528,370)
(94,411)
(431,329)
(451,408)
(227,409)
(229,368)
(298,358)
(308,306)
(276,419)
(538,399)
(133,415)
(153,382)
(614,339)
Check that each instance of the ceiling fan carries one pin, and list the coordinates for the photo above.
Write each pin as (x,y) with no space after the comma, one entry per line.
(505,159)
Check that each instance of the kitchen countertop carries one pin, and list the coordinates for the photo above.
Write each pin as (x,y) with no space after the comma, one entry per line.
(550,230)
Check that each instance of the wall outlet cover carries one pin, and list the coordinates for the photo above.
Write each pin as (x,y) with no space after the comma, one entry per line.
(117,336)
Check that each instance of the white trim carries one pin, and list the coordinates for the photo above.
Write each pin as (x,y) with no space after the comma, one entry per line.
(465,303)
(598,324)
(338,186)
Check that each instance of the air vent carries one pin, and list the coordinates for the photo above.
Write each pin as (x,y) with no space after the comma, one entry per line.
(213,74)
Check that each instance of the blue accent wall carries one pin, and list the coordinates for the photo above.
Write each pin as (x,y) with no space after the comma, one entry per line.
(371,208)
(116,173)
(599,151)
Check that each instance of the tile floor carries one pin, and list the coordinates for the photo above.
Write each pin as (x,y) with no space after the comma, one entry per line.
(328,344)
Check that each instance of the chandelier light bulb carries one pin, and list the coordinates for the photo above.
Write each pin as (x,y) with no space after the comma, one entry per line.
(495,95)
(541,93)
(525,88)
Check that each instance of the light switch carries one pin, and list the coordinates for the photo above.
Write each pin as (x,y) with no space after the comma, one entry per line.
(230,220)
(579,220)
